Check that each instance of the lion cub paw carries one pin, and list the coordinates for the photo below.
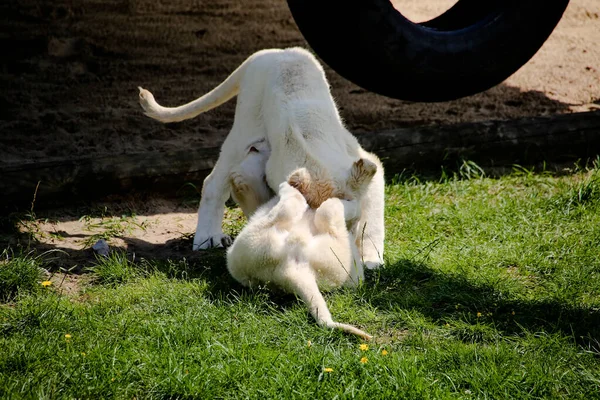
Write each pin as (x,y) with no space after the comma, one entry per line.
(361,174)
(300,180)
(315,191)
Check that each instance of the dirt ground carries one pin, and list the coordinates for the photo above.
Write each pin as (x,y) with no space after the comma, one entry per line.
(70,69)
(154,229)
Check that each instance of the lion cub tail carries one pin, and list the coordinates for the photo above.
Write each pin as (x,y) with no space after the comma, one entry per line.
(229,88)
(320,311)
(301,281)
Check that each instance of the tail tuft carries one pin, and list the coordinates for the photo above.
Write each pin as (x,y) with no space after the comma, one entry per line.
(352,329)
(151,108)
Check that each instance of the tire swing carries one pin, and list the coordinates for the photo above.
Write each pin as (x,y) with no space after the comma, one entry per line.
(470,48)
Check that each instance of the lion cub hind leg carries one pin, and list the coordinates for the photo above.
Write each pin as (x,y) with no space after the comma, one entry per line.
(331,217)
(298,278)
(332,252)
(290,209)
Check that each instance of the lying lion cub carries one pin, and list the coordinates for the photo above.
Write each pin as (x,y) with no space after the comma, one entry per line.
(301,250)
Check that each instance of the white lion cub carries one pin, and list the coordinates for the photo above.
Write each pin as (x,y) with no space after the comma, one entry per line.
(301,250)
(283,98)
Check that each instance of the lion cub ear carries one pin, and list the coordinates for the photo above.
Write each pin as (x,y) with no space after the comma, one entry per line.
(361,173)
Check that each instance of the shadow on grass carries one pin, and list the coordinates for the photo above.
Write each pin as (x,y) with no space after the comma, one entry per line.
(442,297)
(178,261)
(404,285)
(174,258)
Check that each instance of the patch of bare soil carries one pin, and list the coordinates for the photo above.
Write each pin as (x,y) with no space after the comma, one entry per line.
(154,229)
(67,284)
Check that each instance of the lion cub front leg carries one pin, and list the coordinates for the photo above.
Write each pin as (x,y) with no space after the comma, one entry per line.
(215,192)
(369,232)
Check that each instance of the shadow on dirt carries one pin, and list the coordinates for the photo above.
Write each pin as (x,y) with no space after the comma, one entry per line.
(70,89)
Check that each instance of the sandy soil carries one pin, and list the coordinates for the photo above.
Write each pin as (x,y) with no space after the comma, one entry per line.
(155,229)
(69,89)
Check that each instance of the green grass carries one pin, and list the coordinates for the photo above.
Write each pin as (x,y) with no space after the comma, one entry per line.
(491,289)
(20,274)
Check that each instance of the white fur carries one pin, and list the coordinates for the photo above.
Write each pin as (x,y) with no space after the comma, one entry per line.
(283,97)
(296,248)
(299,250)
(248,181)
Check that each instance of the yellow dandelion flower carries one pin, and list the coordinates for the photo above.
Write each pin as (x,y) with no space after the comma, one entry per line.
(364,347)
(513,313)
(68,336)
(308,344)
(83,354)
(364,360)
(478,314)
(46,283)
(327,369)
(384,352)
(112,379)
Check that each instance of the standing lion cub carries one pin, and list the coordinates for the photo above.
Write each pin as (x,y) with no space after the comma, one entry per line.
(299,249)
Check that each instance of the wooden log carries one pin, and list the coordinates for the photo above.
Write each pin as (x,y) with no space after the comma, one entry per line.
(87,178)
(526,142)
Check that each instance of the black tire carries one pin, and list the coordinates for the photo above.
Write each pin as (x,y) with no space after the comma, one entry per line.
(472,47)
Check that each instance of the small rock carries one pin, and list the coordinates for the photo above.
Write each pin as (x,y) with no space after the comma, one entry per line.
(101,247)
